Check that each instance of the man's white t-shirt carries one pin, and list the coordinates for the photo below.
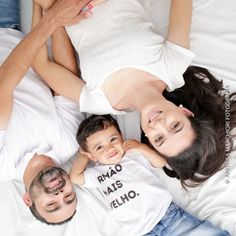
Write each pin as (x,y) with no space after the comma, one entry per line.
(120,35)
(135,196)
(39,123)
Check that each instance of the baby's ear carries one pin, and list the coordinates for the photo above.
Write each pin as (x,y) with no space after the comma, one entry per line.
(87,154)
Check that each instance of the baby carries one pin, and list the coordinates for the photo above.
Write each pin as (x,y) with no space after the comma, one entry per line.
(123,174)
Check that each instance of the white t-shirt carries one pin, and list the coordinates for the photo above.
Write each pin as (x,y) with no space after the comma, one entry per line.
(120,35)
(136,197)
(39,122)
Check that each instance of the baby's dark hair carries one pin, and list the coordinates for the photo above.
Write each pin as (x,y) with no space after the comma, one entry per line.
(92,125)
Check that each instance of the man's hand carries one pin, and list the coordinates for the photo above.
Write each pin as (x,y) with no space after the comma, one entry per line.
(67,12)
(47,4)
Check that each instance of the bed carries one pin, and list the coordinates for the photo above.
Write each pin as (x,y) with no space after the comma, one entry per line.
(213,39)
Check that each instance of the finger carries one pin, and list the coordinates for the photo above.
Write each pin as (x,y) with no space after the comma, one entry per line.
(80,17)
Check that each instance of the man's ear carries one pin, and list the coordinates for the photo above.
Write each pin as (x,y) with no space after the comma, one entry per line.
(27,199)
(87,154)
(186,111)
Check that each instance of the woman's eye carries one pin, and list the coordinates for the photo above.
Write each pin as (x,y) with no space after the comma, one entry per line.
(175,125)
(158,139)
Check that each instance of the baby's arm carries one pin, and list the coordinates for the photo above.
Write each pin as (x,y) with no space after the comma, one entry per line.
(77,170)
(180,22)
(148,153)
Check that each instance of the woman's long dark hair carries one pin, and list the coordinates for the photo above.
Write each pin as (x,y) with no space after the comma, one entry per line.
(211,104)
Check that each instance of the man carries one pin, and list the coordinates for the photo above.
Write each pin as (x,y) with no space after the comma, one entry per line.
(37,131)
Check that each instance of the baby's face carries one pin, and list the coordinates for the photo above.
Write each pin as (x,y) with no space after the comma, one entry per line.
(106,146)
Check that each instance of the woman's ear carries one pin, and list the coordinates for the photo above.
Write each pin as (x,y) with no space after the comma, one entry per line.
(186,111)
(27,199)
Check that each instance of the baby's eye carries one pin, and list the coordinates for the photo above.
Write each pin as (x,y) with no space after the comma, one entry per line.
(113,139)
(99,148)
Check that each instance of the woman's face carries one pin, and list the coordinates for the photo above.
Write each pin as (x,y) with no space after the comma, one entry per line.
(167,127)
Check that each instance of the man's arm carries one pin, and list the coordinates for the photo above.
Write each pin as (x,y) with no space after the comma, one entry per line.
(13,69)
(61,75)
(77,170)
(180,22)
(151,155)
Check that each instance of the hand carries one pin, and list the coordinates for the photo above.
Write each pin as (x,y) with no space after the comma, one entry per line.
(45,4)
(68,12)
(133,144)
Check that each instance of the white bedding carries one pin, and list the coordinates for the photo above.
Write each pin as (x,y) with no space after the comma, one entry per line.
(213,39)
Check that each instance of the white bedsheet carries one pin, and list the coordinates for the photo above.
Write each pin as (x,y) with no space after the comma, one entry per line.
(213,39)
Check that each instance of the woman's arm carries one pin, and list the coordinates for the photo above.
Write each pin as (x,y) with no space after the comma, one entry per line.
(180,22)
(148,153)
(62,75)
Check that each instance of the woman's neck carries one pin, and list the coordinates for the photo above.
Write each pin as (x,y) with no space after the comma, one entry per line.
(132,89)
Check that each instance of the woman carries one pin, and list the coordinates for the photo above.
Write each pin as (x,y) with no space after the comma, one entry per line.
(127,65)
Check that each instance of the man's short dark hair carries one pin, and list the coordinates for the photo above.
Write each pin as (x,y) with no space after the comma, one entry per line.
(92,125)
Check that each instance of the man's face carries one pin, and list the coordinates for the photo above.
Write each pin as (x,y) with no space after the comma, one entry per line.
(53,195)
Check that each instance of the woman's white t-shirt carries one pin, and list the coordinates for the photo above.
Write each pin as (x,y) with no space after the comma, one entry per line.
(120,35)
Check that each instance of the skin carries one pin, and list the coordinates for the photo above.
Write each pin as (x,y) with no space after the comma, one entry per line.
(105,146)
(60,203)
(123,96)
(63,12)
(62,198)
(166,125)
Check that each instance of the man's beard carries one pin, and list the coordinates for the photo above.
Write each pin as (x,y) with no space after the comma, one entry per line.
(44,178)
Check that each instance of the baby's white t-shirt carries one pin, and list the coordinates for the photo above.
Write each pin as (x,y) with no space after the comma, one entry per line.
(135,196)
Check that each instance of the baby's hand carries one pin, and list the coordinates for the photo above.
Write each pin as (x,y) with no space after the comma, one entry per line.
(132,144)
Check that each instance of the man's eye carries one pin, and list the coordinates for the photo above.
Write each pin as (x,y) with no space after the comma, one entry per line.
(50,204)
(69,196)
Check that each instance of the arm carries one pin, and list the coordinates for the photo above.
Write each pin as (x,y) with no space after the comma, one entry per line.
(77,170)
(62,75)
(13,69)
(148,153)
(179,22)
